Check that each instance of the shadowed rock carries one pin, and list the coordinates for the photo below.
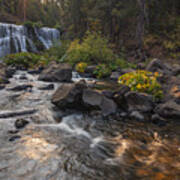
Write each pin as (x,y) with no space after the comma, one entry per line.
(10,114)
(57,73)
(139,101)
(21,87)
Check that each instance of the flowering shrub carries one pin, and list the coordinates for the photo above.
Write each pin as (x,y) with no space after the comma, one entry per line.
(80,67)
(142,81)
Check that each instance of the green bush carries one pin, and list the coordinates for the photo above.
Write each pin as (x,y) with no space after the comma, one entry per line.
(28,60)
(30,24)
(93,49)
(58,51)
(102,71)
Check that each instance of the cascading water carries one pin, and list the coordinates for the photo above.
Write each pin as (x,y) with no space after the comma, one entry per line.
(47,36)
(15,38)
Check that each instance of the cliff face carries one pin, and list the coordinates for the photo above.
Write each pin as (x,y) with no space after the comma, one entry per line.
(15,38)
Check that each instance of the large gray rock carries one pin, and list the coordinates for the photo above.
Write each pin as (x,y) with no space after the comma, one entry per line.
(139,101)
(69,95)
(93,100)
(57,73)
(169,110)
(157,65)
(115,75)
(119,97)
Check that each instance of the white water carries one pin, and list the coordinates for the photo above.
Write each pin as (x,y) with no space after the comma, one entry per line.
(15,38)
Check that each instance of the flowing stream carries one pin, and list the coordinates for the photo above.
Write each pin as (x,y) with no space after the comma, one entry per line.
(79,146)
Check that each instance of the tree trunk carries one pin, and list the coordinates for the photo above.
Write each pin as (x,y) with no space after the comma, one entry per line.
(141,28)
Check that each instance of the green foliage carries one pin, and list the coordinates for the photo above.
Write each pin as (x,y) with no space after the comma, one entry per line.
(93,49)
(30,24)
(122,63)
(58,51)
(25,59)
(80,67)
(142,81)
(102,71)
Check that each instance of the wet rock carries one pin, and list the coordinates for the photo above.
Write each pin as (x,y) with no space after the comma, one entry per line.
(21,87)
(169,110)
(21,123)
(23,77)
(127,70)
(137,116)
(13,131)
(90,69)
(157,65)
(119,97)
(36,71)
(69,95)
(108,106)
(14,138)
(139,101)
(47,87)
(4,80)
(9,114)
(2,87)
(96,101)
(158,120)
(115,75)
(108,93)
(10,71)
(57,73)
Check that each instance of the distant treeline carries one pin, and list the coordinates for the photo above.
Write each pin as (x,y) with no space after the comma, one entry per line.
(129,24)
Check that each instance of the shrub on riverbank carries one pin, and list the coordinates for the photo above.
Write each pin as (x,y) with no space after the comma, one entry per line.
(142,81)
(25,59)
(92,49)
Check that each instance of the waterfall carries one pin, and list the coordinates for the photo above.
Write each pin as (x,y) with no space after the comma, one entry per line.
(47,36)
(16,38)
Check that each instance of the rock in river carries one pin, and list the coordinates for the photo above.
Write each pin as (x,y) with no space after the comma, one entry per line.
(69,95)
(57,73)
(139,101)
(95,100)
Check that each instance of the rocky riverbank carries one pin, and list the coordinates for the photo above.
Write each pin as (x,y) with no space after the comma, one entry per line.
(57,125)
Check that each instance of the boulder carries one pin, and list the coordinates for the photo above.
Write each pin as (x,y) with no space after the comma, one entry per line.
(90,69)
(94,100)
(127,70)
(10,71)
(115,75)
(119,97)
(57,73)
(23,77)
(2,87)
(69,95)
(36,71)
(157,65)
(176,69)
(47,87)
(136,115)
(139,101)
(23,87)
(169,110)
(21,123)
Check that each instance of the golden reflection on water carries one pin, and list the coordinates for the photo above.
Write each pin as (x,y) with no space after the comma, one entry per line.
(37,148)
(156,159)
